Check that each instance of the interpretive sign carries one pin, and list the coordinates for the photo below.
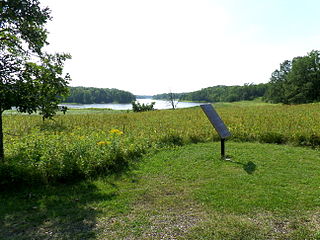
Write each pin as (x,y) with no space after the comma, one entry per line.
(216,121)
(218,124)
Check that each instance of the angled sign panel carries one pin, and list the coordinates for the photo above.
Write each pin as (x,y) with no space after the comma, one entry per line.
(216,121)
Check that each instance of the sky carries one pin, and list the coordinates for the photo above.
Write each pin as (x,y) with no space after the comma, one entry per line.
(149,47)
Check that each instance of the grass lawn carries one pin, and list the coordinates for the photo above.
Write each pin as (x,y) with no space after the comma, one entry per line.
(266,192)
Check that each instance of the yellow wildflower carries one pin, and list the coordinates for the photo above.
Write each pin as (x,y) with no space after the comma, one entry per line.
(102,143)
(116,132)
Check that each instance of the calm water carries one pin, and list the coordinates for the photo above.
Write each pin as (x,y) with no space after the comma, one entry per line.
(160,104)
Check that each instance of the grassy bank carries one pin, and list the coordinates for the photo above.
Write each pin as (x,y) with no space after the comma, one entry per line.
(266,192)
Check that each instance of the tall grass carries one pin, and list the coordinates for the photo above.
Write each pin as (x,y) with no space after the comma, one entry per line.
(81,145)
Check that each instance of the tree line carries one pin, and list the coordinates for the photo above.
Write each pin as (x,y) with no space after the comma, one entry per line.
(220,93)
(223,93)
(166,96)
(296,81)
(88,95)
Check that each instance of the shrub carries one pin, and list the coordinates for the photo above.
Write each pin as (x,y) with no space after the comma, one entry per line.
(48,158)
(314,140)
(137,107)
(273,137)
(171,139)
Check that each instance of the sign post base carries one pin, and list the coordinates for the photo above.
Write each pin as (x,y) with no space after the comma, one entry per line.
(223,149)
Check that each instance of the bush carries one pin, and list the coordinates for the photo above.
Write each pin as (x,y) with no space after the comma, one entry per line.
(137,107)
(47,158)
(273,137)
(314,140)
(172,139)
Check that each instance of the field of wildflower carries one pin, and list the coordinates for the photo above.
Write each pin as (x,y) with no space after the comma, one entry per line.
(83,145)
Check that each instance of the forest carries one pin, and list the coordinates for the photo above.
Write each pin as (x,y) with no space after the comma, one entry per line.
(227,93)
(297,81)
(221,93)
(88,95)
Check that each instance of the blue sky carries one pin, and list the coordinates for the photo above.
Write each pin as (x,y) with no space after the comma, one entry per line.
(150,47)
(278,20)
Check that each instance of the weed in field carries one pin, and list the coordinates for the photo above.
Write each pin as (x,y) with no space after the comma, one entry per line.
(68,147)
(42,158)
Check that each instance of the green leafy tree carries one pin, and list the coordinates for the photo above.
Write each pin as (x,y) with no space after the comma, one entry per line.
(90,95)
(297,81)
(276,90)
(303,84)
(223,93)
(30,79)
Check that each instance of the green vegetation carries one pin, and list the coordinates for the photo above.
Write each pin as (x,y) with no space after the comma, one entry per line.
(166,96)
(171,98)
(30,79)
(138,175)
(219,93)
(88,95)
(129,175)
(265,192)
(226,93)
(69,147)
(138,107)
(297,81)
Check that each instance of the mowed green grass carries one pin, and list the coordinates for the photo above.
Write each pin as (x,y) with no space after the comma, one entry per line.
(266,191)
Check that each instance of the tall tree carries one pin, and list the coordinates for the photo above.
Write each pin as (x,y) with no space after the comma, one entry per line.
(304,79)
(297,81)
(30,79)
(276,92)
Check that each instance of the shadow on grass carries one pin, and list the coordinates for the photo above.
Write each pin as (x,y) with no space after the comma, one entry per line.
(51,212)
(249,167)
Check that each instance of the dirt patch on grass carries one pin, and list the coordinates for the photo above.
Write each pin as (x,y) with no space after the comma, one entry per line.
(164,212)
(144,223)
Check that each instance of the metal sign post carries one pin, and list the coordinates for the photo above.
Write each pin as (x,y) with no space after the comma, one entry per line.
(222,148)
(218,124)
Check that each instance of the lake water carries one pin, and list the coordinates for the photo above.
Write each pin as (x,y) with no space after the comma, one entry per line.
(160,104)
